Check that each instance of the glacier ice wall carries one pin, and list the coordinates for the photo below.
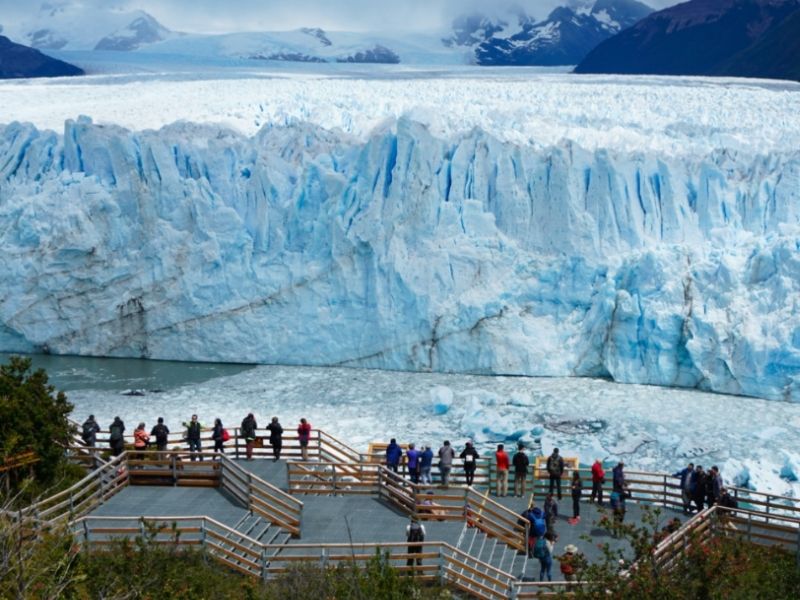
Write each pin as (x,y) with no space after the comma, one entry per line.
(404,250)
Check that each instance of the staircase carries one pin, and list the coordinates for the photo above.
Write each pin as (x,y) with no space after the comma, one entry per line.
(493,552)
(243,554)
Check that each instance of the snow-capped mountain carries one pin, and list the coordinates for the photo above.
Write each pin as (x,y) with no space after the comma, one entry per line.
(564,37)
(707,37)
(78,26)
(18,61)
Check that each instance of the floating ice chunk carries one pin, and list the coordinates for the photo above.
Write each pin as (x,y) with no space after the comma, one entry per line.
(441,399)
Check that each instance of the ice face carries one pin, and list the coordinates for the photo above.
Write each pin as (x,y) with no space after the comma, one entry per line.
(413,246)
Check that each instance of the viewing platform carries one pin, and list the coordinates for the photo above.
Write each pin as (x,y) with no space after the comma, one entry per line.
(260,516)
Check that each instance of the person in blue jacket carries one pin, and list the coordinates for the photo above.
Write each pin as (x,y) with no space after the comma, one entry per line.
(412,460)
(425,465)
(687,486)
(393,455)
(619,478)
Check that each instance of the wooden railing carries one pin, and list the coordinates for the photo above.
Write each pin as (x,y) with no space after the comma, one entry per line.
(81,497)
(262,498)
(435,561)
(176,468)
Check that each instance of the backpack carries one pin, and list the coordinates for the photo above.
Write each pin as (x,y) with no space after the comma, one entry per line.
(415,533)
(566,566)
(116,433)
(161,434)
(538,524)
(540,548)
(225,435)
(88,430)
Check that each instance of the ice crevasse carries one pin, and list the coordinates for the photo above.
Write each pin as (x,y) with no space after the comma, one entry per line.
(402,250)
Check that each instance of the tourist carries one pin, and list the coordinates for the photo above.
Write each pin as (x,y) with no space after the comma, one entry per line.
(425,464)
(598,479)
(521,463)
(501,461)
(217,435)
(550,512)
(716,486)
(687,481)
(569,562)
(699,491)
(393,455)
(412,462)
(555,469)
(536,522)
(275,438)
(446,456)
(543,550)
(140,440)
(193,429)
(470,457)
(249,427)
(415,534)
(303,436)
(576,486)
(116,438)
(160,432)
(618,482)
(90,430)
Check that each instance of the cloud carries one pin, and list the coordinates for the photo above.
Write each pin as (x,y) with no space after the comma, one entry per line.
(213,16)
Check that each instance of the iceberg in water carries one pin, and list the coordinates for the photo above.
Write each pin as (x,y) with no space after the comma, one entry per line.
(403,249)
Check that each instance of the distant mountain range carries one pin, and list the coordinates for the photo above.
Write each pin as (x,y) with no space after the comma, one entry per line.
(565,37)
(748,38)
(18,61)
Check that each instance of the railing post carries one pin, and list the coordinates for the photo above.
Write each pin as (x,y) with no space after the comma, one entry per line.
(264,562)
(174,466)
(319,445)
(512,591)
(768,507)
(236,442)
(441,566)
(797,548)
(749,525)
(203,534)
(141,527)
(334,479)
(85,534)
(665,490)
(323,557)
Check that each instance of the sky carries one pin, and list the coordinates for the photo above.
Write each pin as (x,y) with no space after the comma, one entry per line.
(219,16)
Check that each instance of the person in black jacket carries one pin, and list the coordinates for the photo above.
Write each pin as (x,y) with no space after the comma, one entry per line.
(275,438)
(116,438)
(217,436)
(555,469)
(160,433)
(521,463)
(576,486)
(699,491)
(193,429)
(249,427)
(90,430)
(470,457)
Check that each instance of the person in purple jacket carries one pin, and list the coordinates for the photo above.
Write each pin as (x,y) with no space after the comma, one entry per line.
(412,460)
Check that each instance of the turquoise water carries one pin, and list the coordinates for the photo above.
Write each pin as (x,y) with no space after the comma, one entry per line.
(79,372)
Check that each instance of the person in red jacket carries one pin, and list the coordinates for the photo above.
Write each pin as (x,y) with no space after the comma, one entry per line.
(304,434)
(502,471)
(598,479)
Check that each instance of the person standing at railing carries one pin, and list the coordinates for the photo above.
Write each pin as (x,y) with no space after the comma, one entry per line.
(90,428)
(249,427)
(140,440)
(446,456)
(521,464)
(699,491)
(598,479)
(304,435)
(714,490)
(116,438)
(161,433)
(576,488)
(470,457)
(275,438)
(393,455)
(193,429)
(412,462)
(687,484)
(501,462)
(425,465)
(618,483)
(217,434)
(555,469)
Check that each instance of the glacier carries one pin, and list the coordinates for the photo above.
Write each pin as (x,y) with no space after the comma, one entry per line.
(398,244)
